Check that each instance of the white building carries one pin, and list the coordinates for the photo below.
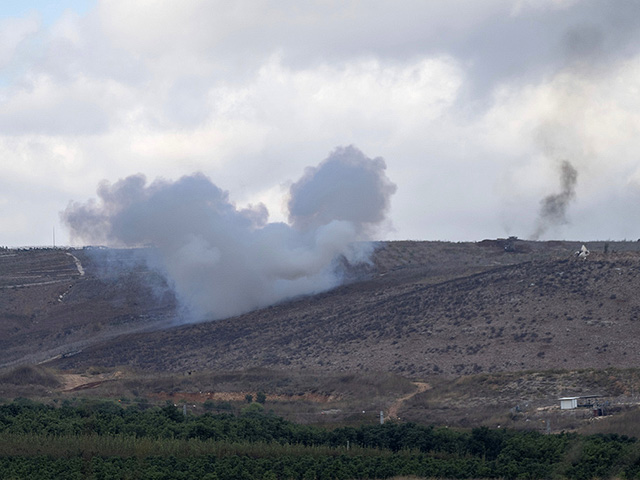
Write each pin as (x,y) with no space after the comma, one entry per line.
(568,403)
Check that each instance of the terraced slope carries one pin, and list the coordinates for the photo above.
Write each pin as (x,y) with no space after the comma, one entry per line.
(56,302)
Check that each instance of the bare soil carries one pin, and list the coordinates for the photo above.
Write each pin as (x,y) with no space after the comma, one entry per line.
(398,404)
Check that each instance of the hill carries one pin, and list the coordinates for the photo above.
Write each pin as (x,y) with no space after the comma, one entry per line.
(56,302)
(422,308)
(462,334)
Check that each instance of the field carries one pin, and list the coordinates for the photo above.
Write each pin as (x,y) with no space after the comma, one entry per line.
(461,334)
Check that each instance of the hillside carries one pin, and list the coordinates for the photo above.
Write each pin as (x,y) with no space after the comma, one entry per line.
(58,301)
(424,308)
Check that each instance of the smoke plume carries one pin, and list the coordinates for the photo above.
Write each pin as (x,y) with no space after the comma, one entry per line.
(223,261)
(553,208)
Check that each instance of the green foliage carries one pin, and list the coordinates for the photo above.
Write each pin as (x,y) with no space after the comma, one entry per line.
(103,440)
(209,405)
(600,456)
(252,409)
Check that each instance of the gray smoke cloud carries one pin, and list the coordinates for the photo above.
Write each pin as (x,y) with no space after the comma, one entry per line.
(223,261)
(346,187)
(553,208)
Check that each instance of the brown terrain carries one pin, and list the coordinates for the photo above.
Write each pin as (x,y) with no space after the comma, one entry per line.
(55,302)
(443,331)
(428,308)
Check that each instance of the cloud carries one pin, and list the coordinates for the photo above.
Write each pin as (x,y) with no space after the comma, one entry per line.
(13,34)
(54,110)
(224,260)
(474,102)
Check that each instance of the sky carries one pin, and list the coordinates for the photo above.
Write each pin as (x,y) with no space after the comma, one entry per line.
(479,109)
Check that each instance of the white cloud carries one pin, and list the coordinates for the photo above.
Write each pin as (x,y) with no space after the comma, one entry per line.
(12,33)
(521,7)
(469,102)
(48,108)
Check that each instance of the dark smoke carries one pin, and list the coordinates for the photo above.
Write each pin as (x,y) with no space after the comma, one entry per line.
(553,208)
(223,261)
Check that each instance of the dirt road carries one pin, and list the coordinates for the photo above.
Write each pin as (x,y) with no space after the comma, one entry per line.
(393,409)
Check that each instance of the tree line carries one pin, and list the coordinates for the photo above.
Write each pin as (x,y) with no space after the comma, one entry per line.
(100,439)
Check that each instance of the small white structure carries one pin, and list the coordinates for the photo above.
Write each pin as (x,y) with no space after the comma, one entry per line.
(568,403)
(582,253)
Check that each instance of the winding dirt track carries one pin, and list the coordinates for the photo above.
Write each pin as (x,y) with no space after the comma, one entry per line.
(393,409)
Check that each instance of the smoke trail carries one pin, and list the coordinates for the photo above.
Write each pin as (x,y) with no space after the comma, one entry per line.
(223,261)
(553,208)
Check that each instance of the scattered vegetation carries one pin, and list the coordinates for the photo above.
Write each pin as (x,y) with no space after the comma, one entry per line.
(26,375)
(528,400)
(520,400)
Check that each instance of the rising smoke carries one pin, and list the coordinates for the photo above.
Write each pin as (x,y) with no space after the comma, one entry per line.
(566,125)
(223,261)
(553,208)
